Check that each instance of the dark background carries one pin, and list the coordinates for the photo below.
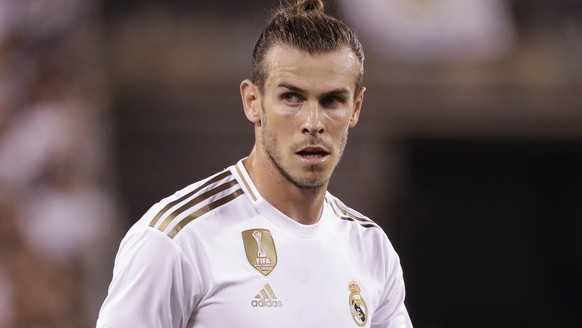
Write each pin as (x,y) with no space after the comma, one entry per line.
(474,170)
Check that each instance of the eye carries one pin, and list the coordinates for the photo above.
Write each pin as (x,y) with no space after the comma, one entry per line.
(291,98)
(332,101)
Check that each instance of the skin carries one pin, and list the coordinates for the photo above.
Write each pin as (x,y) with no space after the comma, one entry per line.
(301,125)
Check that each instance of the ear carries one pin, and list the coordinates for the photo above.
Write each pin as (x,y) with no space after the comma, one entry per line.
(249,93)
(357,108)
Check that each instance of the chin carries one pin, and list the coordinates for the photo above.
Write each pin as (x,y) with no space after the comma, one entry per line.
(312,181)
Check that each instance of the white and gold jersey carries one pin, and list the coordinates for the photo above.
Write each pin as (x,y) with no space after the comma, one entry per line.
(216,254)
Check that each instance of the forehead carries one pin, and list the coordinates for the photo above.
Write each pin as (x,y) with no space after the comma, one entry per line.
(319,72)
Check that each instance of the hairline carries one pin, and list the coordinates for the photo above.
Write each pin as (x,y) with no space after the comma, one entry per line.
(359,73)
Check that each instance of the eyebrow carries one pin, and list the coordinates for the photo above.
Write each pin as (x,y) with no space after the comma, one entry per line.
(339,91)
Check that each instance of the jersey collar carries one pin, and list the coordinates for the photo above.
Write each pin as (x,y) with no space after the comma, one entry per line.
(273,214)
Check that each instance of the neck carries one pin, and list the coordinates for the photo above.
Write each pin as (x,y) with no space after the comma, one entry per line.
(300,204)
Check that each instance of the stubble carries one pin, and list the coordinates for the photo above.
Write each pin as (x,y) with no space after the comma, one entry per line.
(316,178)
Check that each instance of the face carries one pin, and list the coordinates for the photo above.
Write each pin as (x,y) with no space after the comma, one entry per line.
(305,111)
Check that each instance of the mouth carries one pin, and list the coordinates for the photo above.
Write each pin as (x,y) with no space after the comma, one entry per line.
(313,152)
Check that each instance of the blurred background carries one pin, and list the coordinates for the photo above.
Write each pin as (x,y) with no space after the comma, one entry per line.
(468,152)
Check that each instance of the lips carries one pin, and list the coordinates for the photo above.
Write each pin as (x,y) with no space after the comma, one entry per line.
(313,152)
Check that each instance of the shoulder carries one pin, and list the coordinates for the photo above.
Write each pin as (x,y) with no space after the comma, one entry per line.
(351,216)
(362,230)
(150,271)
(173,213)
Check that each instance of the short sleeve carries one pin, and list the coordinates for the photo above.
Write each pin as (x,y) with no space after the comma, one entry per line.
(153,284)
(392,312)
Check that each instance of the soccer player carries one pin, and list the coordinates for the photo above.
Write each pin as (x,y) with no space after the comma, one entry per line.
(263,243)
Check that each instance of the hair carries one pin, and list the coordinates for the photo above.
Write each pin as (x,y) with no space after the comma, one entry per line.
(306,27)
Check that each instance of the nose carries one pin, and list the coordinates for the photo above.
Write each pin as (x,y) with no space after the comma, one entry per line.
(312,123)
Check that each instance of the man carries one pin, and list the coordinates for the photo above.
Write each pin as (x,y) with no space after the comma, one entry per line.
(262,243)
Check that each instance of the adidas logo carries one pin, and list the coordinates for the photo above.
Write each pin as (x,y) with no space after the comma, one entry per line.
(266,298)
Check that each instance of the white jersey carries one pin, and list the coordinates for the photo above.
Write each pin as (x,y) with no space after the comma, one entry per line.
(216,254)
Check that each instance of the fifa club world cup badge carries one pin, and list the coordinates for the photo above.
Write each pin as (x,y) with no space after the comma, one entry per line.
(260,250)
(358,306)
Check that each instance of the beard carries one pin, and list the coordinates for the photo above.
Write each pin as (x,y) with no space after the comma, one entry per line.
(316,177)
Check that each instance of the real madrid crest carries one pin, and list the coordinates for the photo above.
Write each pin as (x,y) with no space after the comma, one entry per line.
(260,250)
(358,306)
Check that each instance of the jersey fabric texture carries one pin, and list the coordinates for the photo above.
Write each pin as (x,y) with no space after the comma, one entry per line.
(216,254)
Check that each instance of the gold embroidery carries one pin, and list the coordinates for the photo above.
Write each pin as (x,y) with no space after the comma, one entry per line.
(203,211)
(196,201)
(171,204)
(358,306)
(260,250)
(246,183)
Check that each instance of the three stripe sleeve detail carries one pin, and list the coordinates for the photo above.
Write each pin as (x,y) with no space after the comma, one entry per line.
(344,214)
(205,193)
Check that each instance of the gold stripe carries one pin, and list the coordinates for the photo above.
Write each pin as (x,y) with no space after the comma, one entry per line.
(264,294)
(171,204)
(203,211)
(348,214)
(366,223)
(196,201)
(335,210)
(246,183)
(270,291)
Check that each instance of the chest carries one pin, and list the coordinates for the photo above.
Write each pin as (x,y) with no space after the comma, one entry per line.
(262,277)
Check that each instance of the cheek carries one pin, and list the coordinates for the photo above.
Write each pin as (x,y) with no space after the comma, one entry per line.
(340,126)
(341,116)
(279,126)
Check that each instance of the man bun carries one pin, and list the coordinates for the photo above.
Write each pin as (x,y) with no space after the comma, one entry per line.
(307,6)
(303,25)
